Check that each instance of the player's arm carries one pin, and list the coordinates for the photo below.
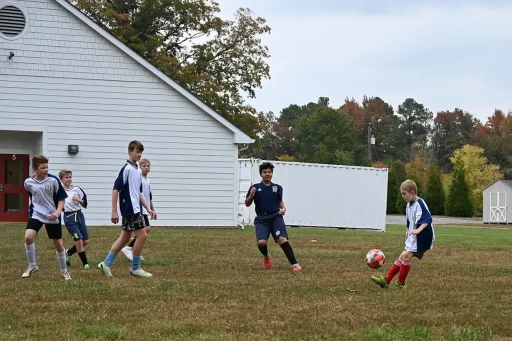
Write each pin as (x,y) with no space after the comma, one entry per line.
(61,197)
(422,220)
(282,208)
(249,198)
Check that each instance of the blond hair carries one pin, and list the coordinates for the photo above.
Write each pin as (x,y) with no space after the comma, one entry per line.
(65,172)
(409,186)
(144,161)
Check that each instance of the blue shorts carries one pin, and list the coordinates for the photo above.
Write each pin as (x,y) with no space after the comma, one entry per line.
(270,226)
(75,224)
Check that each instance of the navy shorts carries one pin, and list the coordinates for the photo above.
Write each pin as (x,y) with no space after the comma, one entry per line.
(54,231)
(146,219)
(270,226)
(75,224)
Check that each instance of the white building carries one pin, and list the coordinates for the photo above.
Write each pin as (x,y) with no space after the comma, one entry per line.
(67,82)
(497,206)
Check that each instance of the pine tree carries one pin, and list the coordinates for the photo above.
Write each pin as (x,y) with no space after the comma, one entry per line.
(393,192)
(459,203)
(434,194)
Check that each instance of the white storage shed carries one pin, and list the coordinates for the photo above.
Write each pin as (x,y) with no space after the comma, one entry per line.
(496,206)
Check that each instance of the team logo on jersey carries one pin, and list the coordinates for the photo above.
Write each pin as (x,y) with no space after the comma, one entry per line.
(48,188)
(274,189)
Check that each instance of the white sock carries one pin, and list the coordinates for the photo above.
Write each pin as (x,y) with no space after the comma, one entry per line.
(61,257)
(30,250)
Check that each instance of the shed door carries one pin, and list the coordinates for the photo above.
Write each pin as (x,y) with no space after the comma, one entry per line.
(498,207)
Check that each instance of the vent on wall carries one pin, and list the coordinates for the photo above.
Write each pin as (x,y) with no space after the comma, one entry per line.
(12,21)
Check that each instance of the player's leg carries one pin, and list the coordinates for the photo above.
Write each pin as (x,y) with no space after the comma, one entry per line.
(70,221)
(33,226)
(280,235)
(126,232)
(54,232)
(128,249)
(405,266)
(83,235)
(262,233)
(141,234)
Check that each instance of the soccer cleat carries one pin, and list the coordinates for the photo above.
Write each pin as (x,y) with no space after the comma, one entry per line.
(267,261)
(401,286)
(65,275)
(68,258)
(380,281)
(141,257)
(86,267)
(140,273)
(30,270)
(105,269)
(296,268)
(128,252)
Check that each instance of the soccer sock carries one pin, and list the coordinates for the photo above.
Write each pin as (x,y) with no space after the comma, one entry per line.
(30,250)
(61,257)
(71,251)
(83,257)
(110,259)
(264,250)
(136,263)
(132,242)
(287,248)
(395,268)
(404,271)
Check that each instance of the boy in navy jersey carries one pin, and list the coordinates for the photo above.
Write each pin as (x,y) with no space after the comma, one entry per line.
(419,236)
(145,167)
(46,203)
(74,218)
(128,190)
(268,199)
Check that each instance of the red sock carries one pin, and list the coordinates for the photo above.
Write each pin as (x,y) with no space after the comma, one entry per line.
(404,271)
(395,268)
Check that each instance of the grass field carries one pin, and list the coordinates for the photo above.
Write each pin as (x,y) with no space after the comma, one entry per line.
(211,285)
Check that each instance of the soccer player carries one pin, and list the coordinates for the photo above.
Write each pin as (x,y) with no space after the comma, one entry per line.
(419,236)
(47,198)
(270,209)
(74,218)
(145,167)
(128,190)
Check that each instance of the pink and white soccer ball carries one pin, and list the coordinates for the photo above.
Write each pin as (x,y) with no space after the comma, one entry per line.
(375,258)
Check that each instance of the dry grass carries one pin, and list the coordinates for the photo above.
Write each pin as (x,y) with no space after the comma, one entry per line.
(211,285)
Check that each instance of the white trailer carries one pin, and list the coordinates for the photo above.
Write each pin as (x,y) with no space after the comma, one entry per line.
(318,195)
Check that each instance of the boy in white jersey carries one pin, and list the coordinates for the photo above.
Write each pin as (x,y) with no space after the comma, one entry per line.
(419,236)
(145,167)
(46,203)
(74,218)
(128,190)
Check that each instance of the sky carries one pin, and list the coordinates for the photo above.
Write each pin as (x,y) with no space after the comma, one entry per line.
(444,54)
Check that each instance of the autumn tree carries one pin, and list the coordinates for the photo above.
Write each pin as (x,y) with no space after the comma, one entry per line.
(451,130)
(478,172)
(417,170)
(459,202)
(434,194)
(222,62)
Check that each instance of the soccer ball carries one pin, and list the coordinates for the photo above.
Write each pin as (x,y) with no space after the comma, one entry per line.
(375,258)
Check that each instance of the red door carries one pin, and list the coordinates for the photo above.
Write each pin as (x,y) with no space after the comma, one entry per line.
(14,169)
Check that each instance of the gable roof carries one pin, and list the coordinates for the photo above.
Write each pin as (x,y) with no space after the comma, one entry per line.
(239,135)
(505,182)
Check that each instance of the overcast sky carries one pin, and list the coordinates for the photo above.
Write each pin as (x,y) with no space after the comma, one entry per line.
(442,55)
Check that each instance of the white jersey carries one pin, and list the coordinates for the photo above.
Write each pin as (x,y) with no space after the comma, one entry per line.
(45,195)
(129,185)
(71,205)
(146,193)
(417,214)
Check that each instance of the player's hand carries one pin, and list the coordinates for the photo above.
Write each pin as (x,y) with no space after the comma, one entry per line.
(415,231)
(54,216)
(282,211)
(155,216)
(253,192)
(115,217)
(76,198)
(152,214)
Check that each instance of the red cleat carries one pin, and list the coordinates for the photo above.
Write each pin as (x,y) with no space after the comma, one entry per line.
(267,261)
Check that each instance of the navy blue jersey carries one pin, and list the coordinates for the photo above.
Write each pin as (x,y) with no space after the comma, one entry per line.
(129,185)
(267,198)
